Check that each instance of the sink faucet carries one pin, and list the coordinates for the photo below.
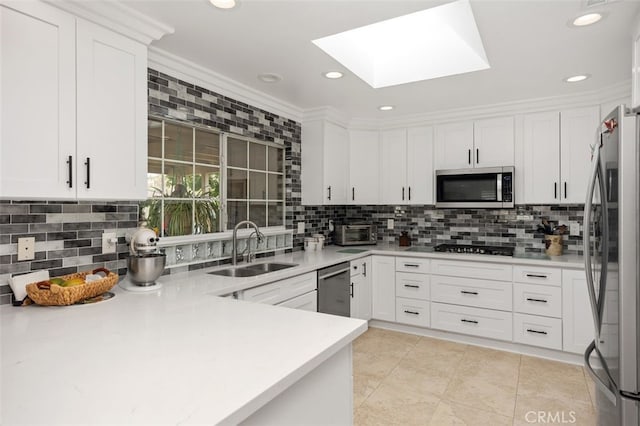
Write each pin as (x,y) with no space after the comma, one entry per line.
(234,252)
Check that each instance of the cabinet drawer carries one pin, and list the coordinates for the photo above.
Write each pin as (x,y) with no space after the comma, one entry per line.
(356,267)
(412,311)
(487,271)
(412,264)
(537,299)
(475,321)
(537,331)
(306,302)
(280,291)
(537,275)
(472,292)
(413,286)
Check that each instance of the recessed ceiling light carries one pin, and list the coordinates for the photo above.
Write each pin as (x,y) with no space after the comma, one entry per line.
(402,49)
(385,107)
(223,4)
(576,78)
(587,19)
(269,77)
(333,74)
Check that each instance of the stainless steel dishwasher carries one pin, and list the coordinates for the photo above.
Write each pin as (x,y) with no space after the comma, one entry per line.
(334,295)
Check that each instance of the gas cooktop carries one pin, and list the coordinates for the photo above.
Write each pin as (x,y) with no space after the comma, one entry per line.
(471,249)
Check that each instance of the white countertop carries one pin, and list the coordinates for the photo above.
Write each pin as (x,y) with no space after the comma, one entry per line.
(175,356)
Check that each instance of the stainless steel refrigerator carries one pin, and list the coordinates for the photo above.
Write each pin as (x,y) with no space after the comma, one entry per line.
(611,241)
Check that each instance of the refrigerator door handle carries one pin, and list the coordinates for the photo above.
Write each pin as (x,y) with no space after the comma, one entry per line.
(602,386)
(586,243)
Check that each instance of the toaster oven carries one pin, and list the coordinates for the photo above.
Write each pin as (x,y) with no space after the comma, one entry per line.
(356,234)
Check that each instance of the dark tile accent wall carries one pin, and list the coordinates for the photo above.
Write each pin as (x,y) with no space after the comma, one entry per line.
(68,237)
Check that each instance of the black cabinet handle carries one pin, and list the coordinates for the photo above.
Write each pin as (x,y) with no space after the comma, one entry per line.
(530,330)
(555,189)
(353,193)
(351,290)
(409,193)
(477,155)
(412,312)
(469,156)
(88,164)
(364,269)
(411,265)
(411,286)
(70,166)
(531,299)
(403,193)
(536,276)
(469,321)
(565,190)
(469,292)
(329,192)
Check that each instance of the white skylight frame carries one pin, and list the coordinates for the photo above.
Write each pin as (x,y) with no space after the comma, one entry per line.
(431,43)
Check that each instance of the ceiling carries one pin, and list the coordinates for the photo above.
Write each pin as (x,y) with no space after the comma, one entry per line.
(529,45)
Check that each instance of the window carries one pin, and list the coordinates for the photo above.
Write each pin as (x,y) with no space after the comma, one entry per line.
(186,180)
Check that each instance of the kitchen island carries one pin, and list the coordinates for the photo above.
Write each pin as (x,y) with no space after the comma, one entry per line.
(176,356)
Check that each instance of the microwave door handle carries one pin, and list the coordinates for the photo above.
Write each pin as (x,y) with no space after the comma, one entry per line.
(499,187)
(586,243)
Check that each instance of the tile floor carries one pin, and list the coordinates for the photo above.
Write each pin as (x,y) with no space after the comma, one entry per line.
(403,379)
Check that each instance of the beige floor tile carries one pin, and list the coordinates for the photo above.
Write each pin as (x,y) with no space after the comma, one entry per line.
(376,366)
(544,409)
(448,413)
(363,386)
(420,380)
(429,345)
(379,341)
(591,387)
(565,382)
(391,404)
(484,390)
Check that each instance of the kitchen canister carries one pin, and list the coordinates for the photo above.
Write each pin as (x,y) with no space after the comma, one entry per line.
(553,245)
(310,244)
(320,241)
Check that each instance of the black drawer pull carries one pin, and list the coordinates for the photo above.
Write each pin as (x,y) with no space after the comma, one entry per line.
(530,330)
(403,193)
(88,181)
(469,321)
(469,292)
(411,265)
(411,312)
(531,299)
(351,290)
(412,286)
(536,276)
(70,164)
(329,192)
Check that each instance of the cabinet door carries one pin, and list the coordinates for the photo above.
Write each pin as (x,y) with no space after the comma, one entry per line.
(37,101)
(356,285)
(420,165)
(112,114)
(336,163)
(364,301)
(493,142)
(453,146)
(577,321)
(541,149)
(364,162)
(577,134)
(393,167)
(384,288)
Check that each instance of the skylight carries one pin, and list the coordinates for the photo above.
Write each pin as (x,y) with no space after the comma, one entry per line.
(432,43)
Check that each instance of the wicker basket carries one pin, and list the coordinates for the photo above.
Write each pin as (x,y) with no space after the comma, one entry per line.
(45,293)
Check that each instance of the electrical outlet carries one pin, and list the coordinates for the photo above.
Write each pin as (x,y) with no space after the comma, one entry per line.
(390,223)
(26,248)
(300,227)
(109,241)
(574,228)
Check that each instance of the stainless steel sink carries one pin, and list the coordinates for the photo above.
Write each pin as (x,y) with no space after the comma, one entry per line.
(252,270)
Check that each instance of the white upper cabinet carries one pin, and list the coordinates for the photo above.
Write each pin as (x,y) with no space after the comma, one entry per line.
(74,109)
(454,146)
(493,142)
(635,70)
(37,95)
(420,165)
(578,128)
(541,157)
(364,162)
(393,172)
(556,155)
(325,163)
(480,143)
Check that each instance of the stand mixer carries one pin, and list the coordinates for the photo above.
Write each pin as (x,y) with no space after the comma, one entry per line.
(145,263)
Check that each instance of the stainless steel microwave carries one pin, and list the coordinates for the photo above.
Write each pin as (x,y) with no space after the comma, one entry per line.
(356,234)
(489,187)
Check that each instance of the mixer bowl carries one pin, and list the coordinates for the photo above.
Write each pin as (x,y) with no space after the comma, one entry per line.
(144,269)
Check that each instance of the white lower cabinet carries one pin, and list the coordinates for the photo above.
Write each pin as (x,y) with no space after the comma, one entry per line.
(472,292)
(361,288)
(481,270)
(383,288)
(305,302)
(412,286)
(478,322)
(537,331)
(281,291)
(412,311)
(537,300)
(577,321)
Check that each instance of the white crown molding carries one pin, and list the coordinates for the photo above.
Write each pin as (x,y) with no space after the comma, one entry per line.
(183,69)
(117,17)
(326,113)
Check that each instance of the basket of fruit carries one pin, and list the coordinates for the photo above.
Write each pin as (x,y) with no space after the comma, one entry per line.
(69,289)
